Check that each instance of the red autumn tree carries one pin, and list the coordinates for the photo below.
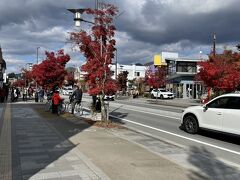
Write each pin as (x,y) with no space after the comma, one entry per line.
(27,77)
(19,83)
(221,72)
(98,48)
(51,71)
(156,77)
(122,80)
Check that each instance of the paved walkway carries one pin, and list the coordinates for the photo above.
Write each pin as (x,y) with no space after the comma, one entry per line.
(44,146)
(39,145)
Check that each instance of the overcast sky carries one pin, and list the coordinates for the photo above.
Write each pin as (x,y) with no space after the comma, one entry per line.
(145,28)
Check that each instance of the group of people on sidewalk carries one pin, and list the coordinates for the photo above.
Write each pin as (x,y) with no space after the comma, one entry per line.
(75,98)
(27,93)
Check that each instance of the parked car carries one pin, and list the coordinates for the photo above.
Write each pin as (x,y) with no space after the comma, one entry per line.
(109,97)
(204,98)
(220,114)
(162,94)
(67,90)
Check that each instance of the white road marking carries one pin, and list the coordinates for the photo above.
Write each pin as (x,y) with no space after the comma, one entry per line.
(151,113)
(118,105)
(153,105)
(177,135)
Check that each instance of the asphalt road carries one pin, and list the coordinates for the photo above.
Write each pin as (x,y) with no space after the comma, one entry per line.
(163,122)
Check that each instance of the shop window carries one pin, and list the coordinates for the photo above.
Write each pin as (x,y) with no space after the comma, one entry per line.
(137,74)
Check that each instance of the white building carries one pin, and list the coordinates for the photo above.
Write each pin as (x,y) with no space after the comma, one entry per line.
(134,71)
(78,74)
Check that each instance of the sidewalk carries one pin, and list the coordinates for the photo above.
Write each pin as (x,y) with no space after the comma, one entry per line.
(45,146)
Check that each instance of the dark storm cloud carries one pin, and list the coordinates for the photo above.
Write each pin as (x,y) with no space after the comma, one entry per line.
(160,24)
(146,27)
(46,12)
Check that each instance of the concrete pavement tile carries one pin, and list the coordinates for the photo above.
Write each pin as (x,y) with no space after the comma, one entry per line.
(72,158)
(30,151)
(70,178)
(69,173)
(26,177)
(40,176)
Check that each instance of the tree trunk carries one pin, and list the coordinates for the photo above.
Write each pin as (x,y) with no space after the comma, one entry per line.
(103,110)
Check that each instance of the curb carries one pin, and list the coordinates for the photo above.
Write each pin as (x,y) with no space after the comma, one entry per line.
(175,104)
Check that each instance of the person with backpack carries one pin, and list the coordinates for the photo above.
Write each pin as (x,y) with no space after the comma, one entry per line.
(55,101)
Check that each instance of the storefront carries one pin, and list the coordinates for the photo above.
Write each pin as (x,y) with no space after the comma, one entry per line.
(185,88)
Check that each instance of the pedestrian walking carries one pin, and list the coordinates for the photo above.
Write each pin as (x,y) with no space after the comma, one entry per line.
(30,92)
(14,94)
(55,101)
(24,94)
(41,94)
(76,97)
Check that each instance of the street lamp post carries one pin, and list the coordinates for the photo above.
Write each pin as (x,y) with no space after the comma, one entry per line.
(78,19)
(37,53)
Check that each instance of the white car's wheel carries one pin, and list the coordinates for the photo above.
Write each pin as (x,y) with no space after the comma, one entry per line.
(190,124)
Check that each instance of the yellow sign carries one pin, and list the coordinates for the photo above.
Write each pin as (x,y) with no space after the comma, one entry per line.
(158,61)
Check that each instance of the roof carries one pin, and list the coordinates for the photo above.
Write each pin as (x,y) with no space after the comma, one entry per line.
(184,59)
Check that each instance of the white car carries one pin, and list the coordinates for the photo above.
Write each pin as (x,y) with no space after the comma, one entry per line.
(109,97)
(67,90)
(162,94)
(220,114)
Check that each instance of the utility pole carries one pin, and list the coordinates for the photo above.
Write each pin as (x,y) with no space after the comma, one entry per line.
(116,66)
(37,54)
(96,4)
(214,44)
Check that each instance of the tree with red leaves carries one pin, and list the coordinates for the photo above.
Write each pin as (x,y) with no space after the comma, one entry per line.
(221,72)
(51,71)
(98,48)
(27,77)
(19,83)
(156,77)
(122,81)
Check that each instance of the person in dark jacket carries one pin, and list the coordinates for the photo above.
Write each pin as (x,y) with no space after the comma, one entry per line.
(41,94)
(76,98)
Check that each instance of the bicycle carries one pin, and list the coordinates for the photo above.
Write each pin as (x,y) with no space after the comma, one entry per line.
(61,107)
(48,104)
(78,107)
